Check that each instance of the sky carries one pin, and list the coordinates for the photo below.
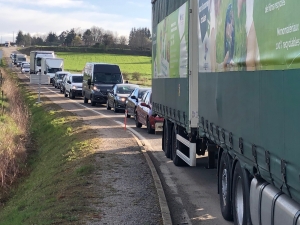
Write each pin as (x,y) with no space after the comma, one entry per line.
(44,16)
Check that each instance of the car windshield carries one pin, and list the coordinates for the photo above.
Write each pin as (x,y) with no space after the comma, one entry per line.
(77,79)
(108,78)
(26,66)
(54,70)
(125,89)
(60,76)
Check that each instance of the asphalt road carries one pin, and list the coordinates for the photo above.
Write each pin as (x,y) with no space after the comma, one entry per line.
(191,192)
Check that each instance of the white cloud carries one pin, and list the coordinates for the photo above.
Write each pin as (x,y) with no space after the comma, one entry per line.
(35,21)
(48,3)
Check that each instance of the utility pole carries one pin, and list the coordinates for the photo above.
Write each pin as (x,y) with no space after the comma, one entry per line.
(13,37)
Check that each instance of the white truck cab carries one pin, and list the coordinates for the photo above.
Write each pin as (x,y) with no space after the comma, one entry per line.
(49,66)
(36,58)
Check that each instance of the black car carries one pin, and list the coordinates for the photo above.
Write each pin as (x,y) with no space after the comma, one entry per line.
(117,97)
(133,99)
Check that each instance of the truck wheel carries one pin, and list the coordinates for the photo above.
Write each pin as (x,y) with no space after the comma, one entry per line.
(85,100)
(176,159)
(240,196)
(225,187)
(66,95)
(149,129)
(93,103)
(115,108)
(71,95)
(167,140)
(137,123)
(107,106)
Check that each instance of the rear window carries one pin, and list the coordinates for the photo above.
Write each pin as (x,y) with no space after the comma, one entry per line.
(77,79)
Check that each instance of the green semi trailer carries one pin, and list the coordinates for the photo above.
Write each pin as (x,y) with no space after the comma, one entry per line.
(226,79)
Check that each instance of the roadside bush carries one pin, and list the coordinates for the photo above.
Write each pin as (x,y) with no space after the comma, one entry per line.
(126,76)
(14,134)
(136,76)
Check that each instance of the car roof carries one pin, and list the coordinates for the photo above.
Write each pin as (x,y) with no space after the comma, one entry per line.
(62,72)
(101,63)
(76,74)
(127,85)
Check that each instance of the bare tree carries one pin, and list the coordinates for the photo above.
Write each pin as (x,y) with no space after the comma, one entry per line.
(123,41)
(87,37)
(97,34)
(107,39)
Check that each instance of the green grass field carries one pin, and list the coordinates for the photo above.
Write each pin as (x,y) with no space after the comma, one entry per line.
(129,64)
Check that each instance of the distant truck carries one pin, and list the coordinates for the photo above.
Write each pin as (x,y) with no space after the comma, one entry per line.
(7,44)
(226,80)
(49,66)
(36,58)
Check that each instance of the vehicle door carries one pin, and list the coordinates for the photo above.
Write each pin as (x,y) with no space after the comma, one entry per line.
(140,108)
(111,95)
(68,83)
(146,109)
(131,103)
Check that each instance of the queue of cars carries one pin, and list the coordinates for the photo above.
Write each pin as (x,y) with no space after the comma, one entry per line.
(102,83)
(20,61)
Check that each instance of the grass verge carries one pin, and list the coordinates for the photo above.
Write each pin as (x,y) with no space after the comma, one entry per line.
(59,167)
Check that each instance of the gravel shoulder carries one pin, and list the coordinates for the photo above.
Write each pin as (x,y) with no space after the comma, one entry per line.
(124,188)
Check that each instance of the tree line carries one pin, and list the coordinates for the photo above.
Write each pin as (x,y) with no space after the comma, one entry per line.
(139,38)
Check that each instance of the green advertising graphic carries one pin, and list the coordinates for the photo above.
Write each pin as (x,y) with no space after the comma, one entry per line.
(170,44)
(248,35)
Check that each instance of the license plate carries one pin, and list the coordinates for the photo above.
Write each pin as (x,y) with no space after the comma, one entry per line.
(158,127)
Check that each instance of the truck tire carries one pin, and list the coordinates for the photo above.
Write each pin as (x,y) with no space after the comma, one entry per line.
(85,100)
(224,182)
(115,108)
(176,159)
(66,95)
(241,196)
(167,139)
(149,129)
(71,95)
(107,106)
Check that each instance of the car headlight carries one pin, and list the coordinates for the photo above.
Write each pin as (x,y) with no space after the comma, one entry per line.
(121,99)
(74,87)
(96,89)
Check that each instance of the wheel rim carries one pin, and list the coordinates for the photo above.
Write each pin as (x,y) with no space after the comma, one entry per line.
(224,186)
(239,200)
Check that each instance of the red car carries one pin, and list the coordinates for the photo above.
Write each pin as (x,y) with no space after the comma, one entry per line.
(144,116)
